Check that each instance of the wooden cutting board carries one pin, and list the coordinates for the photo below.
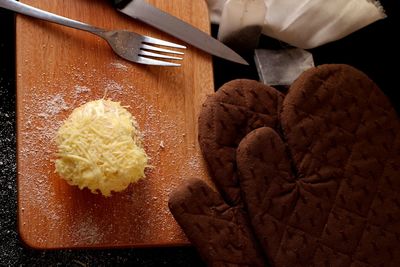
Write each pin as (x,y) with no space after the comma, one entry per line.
(60,68)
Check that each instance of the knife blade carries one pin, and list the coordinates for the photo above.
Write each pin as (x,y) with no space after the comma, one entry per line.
(149,14)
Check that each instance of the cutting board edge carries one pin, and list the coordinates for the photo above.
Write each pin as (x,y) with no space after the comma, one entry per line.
(29,243)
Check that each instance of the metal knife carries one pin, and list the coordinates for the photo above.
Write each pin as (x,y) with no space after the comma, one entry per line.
(149,14)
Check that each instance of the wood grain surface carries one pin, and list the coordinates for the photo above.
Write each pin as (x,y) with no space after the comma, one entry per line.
(60,68)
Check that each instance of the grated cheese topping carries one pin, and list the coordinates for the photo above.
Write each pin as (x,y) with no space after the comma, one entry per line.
(99,148)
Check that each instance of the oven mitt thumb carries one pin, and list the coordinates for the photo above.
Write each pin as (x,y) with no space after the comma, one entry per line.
(221,234)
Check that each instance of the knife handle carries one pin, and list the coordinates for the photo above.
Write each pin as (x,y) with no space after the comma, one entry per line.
(120,3)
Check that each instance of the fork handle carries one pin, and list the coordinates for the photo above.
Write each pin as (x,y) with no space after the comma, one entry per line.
(41,14)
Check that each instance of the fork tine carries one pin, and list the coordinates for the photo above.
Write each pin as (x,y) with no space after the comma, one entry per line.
(155,48)
(150,54)
(150,61)
(151,40)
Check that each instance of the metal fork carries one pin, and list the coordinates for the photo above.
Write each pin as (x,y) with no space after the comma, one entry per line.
(129,45)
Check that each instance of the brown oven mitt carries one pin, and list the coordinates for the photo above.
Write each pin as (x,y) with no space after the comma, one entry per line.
(320,187)
(218,226)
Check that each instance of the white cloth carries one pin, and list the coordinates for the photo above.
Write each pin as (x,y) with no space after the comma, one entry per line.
(311,23)
(215,10)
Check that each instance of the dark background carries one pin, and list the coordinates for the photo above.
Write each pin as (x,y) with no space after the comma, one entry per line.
(373,49)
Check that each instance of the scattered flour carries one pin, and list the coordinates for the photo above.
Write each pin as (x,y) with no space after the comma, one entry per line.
(79,89)
(52,105)
(112,88)
(146,215)
(87,231)
(119,66)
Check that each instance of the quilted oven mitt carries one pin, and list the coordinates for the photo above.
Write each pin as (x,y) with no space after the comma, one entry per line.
(316,187)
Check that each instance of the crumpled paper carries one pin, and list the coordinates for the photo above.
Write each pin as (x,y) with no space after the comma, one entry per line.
(310,23)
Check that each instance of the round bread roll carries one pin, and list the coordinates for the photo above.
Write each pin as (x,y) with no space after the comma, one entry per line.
(99,148)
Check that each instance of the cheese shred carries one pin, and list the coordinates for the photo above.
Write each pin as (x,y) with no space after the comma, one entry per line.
(99,148)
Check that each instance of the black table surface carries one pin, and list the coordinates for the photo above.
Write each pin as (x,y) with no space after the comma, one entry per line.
(373,49)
